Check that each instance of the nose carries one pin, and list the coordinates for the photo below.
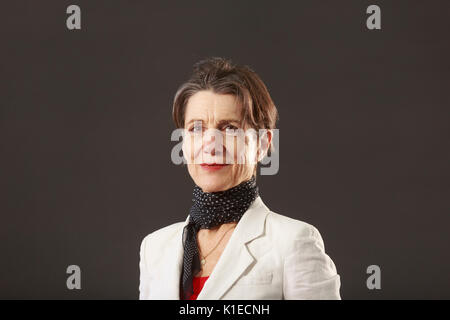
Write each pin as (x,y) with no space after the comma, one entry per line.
(209,142)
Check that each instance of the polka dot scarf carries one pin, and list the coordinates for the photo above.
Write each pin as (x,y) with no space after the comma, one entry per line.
(211,209)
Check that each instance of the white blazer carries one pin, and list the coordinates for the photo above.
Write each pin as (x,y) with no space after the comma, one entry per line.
(268,256)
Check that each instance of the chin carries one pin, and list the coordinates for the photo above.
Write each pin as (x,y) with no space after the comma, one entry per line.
(213,183)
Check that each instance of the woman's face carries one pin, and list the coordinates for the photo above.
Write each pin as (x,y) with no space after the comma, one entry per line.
(209,116)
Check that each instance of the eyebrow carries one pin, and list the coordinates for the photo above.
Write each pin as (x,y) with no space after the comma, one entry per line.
(221,122)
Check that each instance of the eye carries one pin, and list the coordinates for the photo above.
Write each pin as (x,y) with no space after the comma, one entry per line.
(195,129)
(230,129)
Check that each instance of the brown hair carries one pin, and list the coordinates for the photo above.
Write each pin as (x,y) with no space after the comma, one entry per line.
(223,77)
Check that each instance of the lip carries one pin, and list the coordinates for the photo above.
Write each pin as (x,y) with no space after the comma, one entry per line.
(213,166)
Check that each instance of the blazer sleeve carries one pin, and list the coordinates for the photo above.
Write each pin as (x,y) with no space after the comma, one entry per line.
(144,276)
(309,273)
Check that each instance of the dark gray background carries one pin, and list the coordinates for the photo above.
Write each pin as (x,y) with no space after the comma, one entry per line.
(85,128)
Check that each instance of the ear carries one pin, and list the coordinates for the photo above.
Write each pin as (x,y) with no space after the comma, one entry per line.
(264,142)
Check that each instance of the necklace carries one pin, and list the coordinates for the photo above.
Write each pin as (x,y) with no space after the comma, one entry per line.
(203,260)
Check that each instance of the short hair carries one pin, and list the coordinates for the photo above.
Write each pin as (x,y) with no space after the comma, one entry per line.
(221,76)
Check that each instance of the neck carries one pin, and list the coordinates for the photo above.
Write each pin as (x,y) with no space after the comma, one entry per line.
(211,233)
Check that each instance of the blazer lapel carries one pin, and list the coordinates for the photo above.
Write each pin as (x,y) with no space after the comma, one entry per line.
(235,258)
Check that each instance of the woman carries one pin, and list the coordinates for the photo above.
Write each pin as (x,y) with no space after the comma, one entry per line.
(231,245)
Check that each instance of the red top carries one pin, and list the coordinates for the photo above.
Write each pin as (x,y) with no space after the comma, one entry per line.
(198,283)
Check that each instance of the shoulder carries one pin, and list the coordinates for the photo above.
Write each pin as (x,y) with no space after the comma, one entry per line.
(293,235)
(289,227)
(161,236)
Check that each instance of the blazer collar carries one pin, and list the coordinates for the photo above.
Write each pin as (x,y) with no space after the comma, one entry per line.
(235,258)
